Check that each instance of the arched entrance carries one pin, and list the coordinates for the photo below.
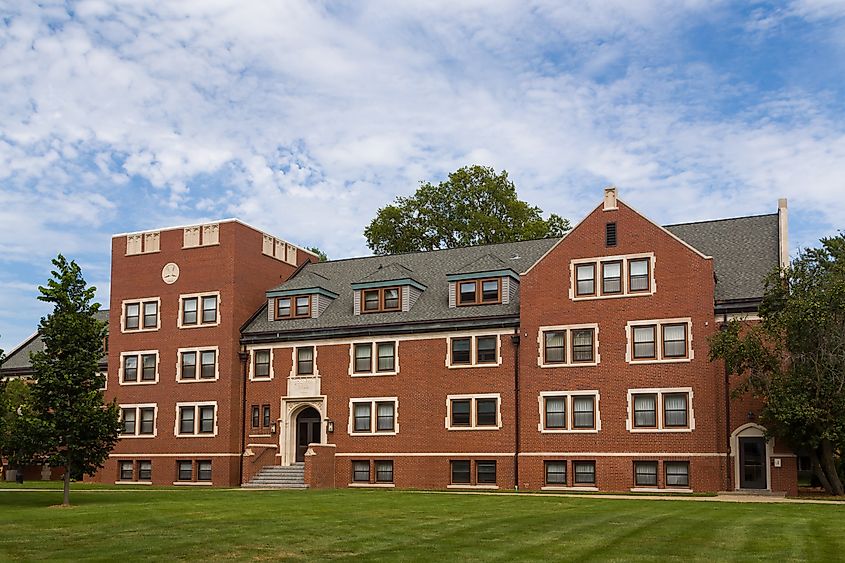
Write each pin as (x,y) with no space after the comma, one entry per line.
(308,426)
(751,452)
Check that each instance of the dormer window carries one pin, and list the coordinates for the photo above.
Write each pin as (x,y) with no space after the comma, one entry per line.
(480,292)
(295,307)
(383,299)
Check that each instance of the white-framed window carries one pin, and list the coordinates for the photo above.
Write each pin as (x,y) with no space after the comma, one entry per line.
(139,420)
(380,357)
(261,364)
(659,341)
(138,368)
(373,416)
(126,471)
(304,361)
(568,345)
(140,315)
(197,364)
(199,310)
(571,412)
(666,409)
(473,350)
(605,277)
(474,412)
(196,419)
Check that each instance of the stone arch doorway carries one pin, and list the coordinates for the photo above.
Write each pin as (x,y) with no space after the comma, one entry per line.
(751,452)
(308,431)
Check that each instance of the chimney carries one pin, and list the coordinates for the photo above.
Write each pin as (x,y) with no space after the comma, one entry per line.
(610,198)
(783,238)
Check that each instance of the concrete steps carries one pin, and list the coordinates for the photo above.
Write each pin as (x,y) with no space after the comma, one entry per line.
(279,477)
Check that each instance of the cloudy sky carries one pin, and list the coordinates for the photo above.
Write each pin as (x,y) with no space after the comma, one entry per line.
(304,118)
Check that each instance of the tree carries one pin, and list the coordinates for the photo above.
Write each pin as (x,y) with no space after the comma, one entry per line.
(794,359)
(21,432)
(320,254)
(473,206)
(80,430)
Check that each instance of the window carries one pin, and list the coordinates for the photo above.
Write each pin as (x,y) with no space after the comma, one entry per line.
(137,420)
(380,300)
(582,345)
(644,342)
(145,470)
(555,473)
(585,472)
(645,473)
(638,274)
(461,351)
(610,234)
(611,275)
(305,360)
(485,472)
(675,410)
(188,365)
(196,419)
(265,417)
(660,410)
(256,416)
(585,279)
(583,412)
(479,412)
(373,416)
(127,471)
(621,276)
(261,369)
(385,354)
(140,315)
(677,473)
(480,292)
(674,340)
(198,310)
(460,472)
(645,411)
(360,471)
(185,470)
(473,351)
(555,412)
(554,351)
(297,307)
(204,470)
(485,349)
(384,471)
(139,367)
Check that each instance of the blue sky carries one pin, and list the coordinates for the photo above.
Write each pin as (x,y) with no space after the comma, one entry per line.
(304,118)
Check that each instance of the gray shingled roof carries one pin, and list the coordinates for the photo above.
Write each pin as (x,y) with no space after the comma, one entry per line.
(744,251)
(18,359)
(487,263)
(388,272)
(428,268)
(306,279)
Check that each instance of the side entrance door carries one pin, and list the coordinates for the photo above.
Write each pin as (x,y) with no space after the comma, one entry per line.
(307,431)
(752,463)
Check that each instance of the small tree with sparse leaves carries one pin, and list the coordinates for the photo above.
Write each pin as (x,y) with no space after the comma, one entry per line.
(79,428)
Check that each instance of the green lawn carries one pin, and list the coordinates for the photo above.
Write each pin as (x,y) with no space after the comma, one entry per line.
(388,525)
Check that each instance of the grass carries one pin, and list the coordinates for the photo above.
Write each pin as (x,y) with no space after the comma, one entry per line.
(190,524)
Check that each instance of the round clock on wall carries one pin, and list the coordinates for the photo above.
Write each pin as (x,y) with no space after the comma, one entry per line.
(170,273)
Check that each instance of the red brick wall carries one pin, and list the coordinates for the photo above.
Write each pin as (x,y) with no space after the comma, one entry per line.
(320,466)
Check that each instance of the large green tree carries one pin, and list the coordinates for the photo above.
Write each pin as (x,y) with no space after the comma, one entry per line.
(473,206)
(80,430)
(794,359)
(21,431)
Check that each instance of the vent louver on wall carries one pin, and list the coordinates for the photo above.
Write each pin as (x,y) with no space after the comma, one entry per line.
(610,234)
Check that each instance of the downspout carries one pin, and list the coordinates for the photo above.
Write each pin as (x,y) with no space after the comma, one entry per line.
(729,465)
(515,341)
(244,356)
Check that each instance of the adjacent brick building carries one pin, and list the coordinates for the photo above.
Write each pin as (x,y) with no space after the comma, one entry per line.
(578,363)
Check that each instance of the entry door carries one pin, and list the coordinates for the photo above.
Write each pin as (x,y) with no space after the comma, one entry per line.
(752,463)
(307,431)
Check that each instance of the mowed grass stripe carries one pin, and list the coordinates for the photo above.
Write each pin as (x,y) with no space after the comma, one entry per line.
(394,525)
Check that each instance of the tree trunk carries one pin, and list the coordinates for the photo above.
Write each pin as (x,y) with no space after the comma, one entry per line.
(66,501)
(819,472)
(829,466)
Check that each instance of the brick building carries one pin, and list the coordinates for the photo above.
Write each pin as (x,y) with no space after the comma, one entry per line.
(578,363)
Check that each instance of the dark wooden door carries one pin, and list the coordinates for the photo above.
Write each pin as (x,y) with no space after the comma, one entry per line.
(307,431)
(752,463)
